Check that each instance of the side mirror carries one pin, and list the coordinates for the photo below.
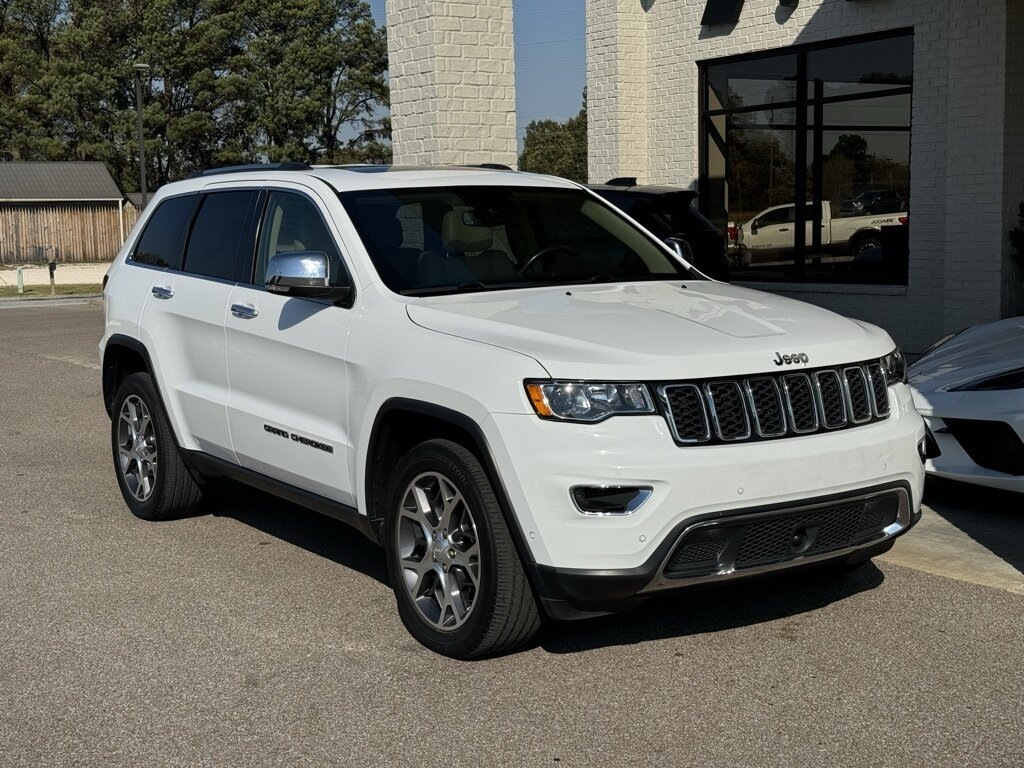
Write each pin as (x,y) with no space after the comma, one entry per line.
(305,274)
(754,227)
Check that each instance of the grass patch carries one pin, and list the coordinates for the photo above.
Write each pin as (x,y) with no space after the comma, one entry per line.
(77,289)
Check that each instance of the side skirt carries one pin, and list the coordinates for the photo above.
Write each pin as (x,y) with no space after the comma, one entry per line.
(210,466)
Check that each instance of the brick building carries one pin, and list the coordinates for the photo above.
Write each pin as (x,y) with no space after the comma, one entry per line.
(928,94)
(757,105)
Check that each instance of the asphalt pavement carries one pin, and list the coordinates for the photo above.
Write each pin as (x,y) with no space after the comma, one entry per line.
(263,634)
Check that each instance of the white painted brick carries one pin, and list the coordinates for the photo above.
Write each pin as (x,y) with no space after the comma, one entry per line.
(452,81)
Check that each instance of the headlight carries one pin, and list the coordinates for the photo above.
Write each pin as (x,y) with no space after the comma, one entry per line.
(586,400)
(895,366)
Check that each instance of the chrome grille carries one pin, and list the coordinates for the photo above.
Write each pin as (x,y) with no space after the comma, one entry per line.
(803,414)
(833,403)
(879,389)
(857,387)
(689,418)
(728,413)
(767,407)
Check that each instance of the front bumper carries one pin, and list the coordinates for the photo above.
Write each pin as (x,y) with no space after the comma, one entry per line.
(615,557)
(568,593)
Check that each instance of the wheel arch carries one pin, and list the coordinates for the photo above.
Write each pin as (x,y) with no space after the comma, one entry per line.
(422,421)
(123,356)
(872,233)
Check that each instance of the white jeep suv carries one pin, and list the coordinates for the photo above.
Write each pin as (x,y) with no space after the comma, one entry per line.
(533,404)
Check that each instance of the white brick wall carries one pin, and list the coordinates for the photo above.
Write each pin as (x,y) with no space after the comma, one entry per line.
(967,135)
(452,75)
(1013,148)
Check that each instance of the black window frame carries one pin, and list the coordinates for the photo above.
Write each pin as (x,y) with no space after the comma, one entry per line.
(189,218)
(803,145)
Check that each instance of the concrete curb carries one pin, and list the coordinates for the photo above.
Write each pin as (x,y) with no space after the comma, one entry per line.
(49,301)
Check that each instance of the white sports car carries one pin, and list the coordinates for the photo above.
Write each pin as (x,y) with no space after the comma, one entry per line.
(969,387)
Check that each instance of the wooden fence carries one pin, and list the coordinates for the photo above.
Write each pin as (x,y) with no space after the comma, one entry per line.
(32,233)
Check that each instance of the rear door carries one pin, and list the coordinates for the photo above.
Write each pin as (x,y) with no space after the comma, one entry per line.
(184,319)
(288,405)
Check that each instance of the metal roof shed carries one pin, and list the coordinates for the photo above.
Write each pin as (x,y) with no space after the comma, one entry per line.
(64,211)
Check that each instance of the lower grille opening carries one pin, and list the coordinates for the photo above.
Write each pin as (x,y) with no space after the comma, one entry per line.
(772,538)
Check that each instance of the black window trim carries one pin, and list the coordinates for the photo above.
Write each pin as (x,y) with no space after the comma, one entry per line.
(142,233)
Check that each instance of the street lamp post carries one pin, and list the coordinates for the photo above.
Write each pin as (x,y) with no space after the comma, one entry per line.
(140,71)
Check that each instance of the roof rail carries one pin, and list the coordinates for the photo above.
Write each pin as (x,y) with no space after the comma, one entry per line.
(251,167)
(621,181)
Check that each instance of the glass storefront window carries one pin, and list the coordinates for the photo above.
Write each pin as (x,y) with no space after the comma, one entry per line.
(827,124)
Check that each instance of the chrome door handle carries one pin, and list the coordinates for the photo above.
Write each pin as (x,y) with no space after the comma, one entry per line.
(163,291)
(245,311)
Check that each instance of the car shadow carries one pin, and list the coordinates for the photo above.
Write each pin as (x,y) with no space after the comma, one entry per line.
(710,609)
(993,518)
(301,527)
(695,611)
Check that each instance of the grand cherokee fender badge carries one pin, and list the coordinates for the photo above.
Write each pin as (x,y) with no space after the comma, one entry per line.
(799,357)
(299,439)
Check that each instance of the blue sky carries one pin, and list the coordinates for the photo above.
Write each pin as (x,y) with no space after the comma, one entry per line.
(550,58)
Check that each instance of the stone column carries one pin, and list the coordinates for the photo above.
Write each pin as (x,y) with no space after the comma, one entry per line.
(452,75)
(617,72)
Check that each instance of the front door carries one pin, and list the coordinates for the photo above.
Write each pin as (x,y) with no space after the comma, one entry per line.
(288,405)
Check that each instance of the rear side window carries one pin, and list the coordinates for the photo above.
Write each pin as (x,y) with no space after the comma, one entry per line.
(220,236)
(164,237)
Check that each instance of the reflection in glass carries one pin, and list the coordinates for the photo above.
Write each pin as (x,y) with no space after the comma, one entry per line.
(856,176)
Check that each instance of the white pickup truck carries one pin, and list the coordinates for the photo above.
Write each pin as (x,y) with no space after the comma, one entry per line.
(770,234)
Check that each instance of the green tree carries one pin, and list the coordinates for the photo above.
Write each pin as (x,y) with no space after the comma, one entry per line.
(228,82)
(558,149)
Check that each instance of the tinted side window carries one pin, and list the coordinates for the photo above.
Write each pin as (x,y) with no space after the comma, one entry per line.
(216,247)
(162,240)
(778,216)
(293,223)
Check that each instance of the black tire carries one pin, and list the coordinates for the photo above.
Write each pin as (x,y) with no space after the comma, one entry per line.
(503,614)
(862,244)
(173,491)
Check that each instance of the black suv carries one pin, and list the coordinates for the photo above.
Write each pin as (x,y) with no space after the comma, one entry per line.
(873,202)
(669,213)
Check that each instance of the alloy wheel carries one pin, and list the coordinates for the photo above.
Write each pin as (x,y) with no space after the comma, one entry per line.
(136,448)
(439,551)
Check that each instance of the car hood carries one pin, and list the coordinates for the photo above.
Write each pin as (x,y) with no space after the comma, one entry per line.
(652,330)
(979,352)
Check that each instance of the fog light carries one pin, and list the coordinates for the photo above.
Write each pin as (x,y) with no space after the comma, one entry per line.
(610,499)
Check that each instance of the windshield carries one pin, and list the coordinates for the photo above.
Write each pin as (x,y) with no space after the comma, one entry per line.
(452,239)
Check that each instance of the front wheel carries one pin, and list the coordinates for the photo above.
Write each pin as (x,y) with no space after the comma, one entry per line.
(458,580)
